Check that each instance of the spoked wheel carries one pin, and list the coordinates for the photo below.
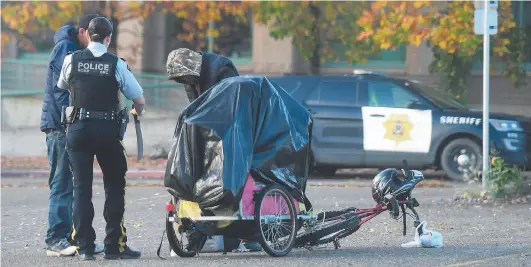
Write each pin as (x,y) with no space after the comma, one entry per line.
(276,220)
(177,235)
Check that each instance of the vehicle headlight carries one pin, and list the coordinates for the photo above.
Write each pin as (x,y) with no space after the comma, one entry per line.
(506,125)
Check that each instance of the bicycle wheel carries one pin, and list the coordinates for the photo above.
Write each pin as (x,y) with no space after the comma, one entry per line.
(328,231)
(177,236)
(276,220)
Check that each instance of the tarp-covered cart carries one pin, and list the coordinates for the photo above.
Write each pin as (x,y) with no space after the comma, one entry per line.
(238,167)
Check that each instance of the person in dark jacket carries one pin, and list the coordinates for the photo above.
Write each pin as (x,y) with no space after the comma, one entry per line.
(199,71)
(67,39)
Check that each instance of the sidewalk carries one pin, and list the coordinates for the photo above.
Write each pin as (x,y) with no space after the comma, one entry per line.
(38,167)
(43,173)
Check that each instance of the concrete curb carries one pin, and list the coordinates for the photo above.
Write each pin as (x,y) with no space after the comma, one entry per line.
(40,173)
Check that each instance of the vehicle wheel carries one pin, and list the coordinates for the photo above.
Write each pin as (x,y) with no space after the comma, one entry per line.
(461,159)
(177,236)
(276,220)
(326,170)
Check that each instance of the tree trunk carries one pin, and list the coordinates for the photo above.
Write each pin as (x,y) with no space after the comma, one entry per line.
(315,59)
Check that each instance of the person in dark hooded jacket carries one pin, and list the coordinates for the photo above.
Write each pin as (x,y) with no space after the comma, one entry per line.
(198,72)
(67,39)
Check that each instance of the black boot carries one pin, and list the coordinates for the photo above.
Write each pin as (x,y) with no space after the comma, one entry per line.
(126,254)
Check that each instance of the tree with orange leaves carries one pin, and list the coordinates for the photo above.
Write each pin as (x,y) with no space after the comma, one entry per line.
(21,18)
(448,27)
(317,28)
(202,20)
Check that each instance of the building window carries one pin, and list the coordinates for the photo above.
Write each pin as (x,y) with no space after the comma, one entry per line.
(387,59)
(520,8)
(234,40)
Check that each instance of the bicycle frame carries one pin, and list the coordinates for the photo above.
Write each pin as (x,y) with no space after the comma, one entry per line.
(367,214)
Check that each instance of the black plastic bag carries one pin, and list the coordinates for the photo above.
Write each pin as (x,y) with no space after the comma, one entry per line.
(242,125)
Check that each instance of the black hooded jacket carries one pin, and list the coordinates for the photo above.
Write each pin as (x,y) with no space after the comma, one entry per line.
(214,68)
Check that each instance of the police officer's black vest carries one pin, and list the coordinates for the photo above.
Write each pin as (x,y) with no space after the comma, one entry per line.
(93,84)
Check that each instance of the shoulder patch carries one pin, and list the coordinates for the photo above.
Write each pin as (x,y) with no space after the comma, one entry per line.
(127,65)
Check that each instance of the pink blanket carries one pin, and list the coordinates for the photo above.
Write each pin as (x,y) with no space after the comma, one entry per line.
(271,204)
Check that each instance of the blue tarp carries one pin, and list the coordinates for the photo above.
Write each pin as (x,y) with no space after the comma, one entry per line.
(242,125)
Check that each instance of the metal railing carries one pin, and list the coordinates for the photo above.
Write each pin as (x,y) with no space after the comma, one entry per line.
(26,77)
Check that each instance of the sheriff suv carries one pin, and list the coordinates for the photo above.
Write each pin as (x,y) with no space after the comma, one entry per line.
(371,120)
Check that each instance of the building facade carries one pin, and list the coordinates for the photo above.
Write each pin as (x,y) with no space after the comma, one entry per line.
(153,40)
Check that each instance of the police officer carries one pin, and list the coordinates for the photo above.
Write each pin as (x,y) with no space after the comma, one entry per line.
(94,78)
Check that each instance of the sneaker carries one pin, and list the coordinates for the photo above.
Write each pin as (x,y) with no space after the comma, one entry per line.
(61,249)
(253,246)
(127,254)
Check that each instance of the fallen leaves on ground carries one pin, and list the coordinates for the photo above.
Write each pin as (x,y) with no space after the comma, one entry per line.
(433,184)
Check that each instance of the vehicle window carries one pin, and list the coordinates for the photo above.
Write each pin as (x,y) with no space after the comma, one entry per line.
(439,98)
(387,94)
(337,93)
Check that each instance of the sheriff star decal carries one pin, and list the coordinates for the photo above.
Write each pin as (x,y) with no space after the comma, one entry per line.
(398,128)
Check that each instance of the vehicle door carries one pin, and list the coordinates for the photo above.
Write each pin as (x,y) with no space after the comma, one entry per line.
(337,131)
(397,124)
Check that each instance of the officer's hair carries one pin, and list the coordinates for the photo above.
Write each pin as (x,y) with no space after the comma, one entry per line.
(99,28)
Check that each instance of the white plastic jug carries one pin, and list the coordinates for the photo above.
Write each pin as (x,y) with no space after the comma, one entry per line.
(428,238)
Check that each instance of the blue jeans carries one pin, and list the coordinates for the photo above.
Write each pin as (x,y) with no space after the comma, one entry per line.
(61,189)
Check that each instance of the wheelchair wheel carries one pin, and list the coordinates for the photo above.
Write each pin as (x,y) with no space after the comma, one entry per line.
(177,236)
(276,220)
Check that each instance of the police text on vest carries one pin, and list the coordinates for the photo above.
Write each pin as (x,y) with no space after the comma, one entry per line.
(93,68)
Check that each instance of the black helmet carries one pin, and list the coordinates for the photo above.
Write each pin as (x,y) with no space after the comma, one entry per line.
(387,183)
(383,185)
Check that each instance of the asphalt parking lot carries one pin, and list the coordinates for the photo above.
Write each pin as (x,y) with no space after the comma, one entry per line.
(474,235)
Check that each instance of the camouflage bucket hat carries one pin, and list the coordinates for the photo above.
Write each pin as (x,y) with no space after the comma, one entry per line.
(183,62)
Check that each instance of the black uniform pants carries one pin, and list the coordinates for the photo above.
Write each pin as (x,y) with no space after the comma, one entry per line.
(86,139)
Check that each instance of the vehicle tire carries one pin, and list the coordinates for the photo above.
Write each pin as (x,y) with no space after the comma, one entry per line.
(461,159)
(173,231)
(326,170)
(346,223)
(273,222)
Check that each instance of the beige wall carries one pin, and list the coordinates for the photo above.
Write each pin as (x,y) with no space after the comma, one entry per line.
(10,49)
(270,56)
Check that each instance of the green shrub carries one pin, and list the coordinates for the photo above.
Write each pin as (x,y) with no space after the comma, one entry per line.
(504,180)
